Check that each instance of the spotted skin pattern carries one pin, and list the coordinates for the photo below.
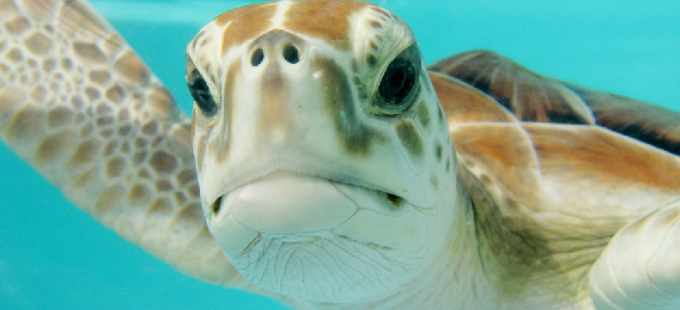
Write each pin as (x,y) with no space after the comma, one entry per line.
(79,105)
(544,174)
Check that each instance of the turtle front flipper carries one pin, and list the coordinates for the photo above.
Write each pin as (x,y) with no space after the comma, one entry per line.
(81,107)
(647,277)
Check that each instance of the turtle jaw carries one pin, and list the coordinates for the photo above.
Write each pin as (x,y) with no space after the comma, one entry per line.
(318,242)
(270,205)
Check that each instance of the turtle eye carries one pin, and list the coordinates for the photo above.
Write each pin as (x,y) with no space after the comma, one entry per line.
(201,93)
(399,83)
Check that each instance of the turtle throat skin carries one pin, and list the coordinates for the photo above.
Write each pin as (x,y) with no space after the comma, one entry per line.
(324,159)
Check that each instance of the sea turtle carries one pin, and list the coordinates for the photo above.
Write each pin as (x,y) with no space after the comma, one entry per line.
(337,171)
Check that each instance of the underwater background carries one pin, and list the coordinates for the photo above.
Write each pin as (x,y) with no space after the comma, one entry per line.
(54,256)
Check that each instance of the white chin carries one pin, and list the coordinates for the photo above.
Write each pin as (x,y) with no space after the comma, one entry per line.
(328,269)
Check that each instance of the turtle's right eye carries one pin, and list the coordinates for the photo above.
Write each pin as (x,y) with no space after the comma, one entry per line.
(201,93)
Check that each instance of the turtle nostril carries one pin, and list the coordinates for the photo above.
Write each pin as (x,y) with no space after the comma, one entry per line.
(290,54)
(257,57)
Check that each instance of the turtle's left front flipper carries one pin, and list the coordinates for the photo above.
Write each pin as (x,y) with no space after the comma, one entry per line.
(79,105)
(647,277)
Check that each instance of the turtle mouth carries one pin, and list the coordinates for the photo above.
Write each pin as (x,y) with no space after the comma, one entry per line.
(391,200)
(395,201)
(217,205)
(288,202)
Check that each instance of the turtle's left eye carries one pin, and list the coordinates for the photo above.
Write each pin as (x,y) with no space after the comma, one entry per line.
(399,83)
(201,93)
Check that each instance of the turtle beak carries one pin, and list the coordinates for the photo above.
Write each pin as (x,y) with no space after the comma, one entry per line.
(288,202)
(281,202)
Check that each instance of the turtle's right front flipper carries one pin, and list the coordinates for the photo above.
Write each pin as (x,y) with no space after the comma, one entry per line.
(640,268)
(79,105)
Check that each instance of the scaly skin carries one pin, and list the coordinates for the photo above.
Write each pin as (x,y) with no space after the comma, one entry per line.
(79,105)
(326,194)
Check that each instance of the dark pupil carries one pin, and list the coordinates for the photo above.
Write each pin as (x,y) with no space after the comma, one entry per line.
(201,94)
(398,81)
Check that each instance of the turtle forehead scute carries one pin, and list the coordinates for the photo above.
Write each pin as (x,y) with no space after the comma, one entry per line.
(326,20)
(245,23)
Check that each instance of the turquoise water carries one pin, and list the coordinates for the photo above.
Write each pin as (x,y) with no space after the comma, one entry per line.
(52,256)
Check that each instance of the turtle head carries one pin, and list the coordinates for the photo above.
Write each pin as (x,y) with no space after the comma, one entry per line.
(323,156)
